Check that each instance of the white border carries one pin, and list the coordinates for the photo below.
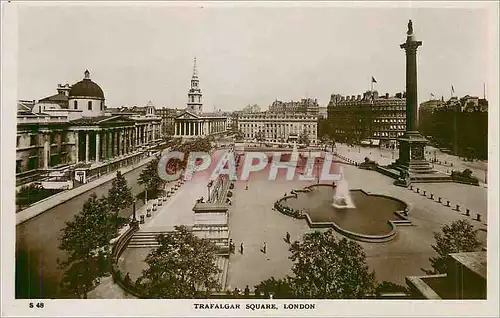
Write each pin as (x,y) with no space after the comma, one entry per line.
(12,307)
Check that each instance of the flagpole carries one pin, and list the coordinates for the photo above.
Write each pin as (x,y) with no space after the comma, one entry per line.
(371,84)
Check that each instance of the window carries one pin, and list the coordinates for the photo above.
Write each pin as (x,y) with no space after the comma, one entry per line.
(75,103)
(90,105)
(32,140)
(18,141)
(102,105)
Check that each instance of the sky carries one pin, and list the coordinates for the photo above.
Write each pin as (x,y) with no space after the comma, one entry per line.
(246,54)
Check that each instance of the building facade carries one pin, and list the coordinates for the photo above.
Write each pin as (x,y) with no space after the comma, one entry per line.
(193,122)
(278,127)
(74,128)
(306,106)
(458,124)
(368,119)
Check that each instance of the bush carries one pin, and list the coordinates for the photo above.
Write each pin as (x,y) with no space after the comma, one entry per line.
(464,177)
(33,193)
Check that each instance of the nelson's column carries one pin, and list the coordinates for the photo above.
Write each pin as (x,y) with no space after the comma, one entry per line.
(412,143)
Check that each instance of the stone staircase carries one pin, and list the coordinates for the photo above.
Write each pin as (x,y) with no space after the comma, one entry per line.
(144,240)
(222,263)
(218,235)
(420,172)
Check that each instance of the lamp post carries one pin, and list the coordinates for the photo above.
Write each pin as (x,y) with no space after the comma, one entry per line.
(134,219)
(209,185)
(317,169)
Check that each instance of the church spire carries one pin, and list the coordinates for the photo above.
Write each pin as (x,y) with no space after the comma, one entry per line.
(194,104)
(195,70)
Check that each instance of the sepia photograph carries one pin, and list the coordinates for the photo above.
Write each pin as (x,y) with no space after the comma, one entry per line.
(249,158)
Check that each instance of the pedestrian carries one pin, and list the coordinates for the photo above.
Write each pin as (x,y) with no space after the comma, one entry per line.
(287,237)
(247,291)
(241,248)
(127,278)
(231,246)
(264,248)
(246,187)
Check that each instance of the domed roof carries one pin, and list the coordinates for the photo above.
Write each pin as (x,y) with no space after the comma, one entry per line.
(86,88)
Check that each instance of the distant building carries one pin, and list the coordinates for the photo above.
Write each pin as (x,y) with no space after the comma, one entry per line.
(370,118)
(278,127)
(323,112)
(193,122)
(307,106)
(167,115)
(458,124)
(73,128)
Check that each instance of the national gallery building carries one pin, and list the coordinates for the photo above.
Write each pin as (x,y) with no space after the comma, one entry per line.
(73,133)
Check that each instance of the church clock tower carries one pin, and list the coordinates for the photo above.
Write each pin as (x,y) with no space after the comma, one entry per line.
(194,104)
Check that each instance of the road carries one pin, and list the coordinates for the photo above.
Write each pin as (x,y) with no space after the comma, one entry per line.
(37,241)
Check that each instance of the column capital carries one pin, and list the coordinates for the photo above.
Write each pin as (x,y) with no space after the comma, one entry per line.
(410,46)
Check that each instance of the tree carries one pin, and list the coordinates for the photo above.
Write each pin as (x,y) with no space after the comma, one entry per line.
(325,267)
(259,136)
(183,266)
(280,288)
(239,135)
(149,177)
(459,236)
(304,138)
(119,196)
(86,240)
(390,287)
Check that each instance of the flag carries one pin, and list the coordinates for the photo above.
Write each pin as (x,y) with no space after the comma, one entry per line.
(452,89)
(374,80)
(432,95)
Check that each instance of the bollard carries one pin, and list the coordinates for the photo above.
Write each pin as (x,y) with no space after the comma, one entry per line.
(478,217)
(439,199)
(142,219)
(467,212)
(148,212)
(432,196)
(418,190)
(447,203)
(457,207)
(424,193)
(411,187)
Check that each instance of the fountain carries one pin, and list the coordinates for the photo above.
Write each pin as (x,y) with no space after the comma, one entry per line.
(342,197)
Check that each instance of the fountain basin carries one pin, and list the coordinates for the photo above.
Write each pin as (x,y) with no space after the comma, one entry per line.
(373,218)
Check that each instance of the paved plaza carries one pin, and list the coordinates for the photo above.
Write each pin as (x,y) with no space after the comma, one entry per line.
(253,221)
(178,210)
(384,156)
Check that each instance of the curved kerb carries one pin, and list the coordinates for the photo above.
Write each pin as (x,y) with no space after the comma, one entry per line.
(402,215)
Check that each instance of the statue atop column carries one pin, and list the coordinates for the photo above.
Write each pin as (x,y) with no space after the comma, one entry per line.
(410,28)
